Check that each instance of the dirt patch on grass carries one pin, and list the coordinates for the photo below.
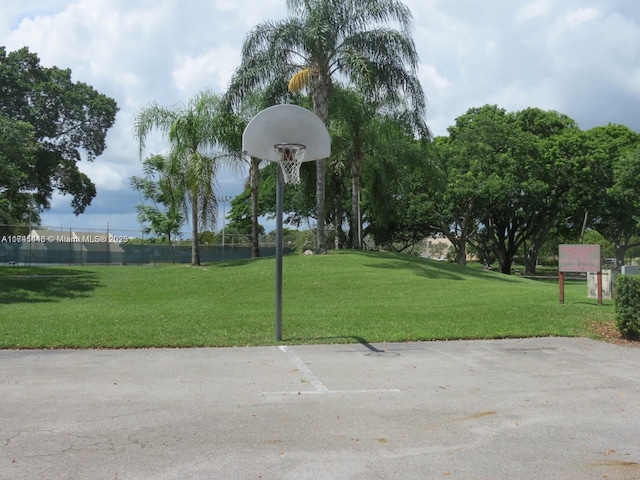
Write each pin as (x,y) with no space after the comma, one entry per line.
(608,332)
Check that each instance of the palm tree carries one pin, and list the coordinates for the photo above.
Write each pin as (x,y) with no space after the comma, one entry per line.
(252,104)
(361,129)
(325,39)
(160,214)
(197,133)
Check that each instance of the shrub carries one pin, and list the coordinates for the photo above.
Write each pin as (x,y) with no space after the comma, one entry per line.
(300,240)
(628,306)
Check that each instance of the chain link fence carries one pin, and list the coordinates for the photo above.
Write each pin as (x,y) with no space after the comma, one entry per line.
(24,245)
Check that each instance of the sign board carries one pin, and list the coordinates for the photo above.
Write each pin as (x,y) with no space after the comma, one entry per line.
(579,258)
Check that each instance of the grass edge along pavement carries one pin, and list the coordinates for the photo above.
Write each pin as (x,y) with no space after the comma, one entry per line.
(341,297)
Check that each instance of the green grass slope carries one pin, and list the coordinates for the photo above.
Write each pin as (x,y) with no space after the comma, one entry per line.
(335,298)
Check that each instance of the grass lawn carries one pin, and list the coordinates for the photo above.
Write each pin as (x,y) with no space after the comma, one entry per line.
(335,298)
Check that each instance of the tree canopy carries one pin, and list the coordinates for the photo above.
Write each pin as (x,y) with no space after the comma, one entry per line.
(160,214)
(331,38)
(48,124)
(201,135)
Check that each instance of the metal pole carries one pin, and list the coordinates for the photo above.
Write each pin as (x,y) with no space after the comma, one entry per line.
(224,218)
(224,201)
(108,250)
(279,208)
(29,236)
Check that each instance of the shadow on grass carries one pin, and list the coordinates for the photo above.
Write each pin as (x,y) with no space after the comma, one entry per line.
(554,279)
(45,285)
(231,263)
(594,303)
(431,268)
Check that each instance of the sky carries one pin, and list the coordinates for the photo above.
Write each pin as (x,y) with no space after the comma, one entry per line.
(578,57)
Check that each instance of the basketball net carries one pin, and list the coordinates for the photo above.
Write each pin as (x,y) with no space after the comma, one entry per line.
(291,156)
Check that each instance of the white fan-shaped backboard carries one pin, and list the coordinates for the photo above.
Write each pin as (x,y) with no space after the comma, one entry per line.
(286,124)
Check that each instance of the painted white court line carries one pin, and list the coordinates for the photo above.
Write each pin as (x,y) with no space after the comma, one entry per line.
(319,387)
(315,381)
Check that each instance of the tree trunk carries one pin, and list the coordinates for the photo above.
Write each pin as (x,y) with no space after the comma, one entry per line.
(321,169)
(459,245)
(356,220)
(531,252)
(340,237)
(195,251)
(321,109)
(621,250)
(172,250)
(530,260)
(505,262)
(254,185)
(337,213)
(461,251)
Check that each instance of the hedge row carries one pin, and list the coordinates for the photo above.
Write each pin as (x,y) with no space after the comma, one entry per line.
(627,303)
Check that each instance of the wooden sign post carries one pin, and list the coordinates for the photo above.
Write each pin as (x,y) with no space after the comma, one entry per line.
(580,259)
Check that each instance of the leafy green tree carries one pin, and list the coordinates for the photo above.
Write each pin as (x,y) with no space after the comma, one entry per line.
(394,181)
(503,163)
(450,206)
(299,202)
(325,38)
(160,215)
(248,106)
(512,180)
(555,180)
(359,126)
(241,215)
(593,237)
(480,185)
(67,120)
(18,147)
(198,134)
(616,149)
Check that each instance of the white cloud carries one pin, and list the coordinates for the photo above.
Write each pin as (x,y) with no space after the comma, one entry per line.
(576,18)
(249,13)
(535,9)
(105,176)
(433,79)
(214,67)
(579,57)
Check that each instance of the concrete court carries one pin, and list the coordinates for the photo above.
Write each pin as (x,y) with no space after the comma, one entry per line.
(544,408)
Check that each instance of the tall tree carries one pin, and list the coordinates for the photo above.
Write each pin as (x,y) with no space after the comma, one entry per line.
(360,128)
(241,215)
(502,158)
(327,38)
(555,170)
(398,172)
(160,214)
(528,174)
(198,134)
(67,120)
(614,153)
(451,204)
(18,147)
(249,105)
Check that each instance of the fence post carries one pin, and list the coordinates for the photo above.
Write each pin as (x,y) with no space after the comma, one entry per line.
(70,248)
(108,247)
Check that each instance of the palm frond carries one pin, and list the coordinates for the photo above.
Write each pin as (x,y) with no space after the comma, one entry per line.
(150,118)
(271,53)
(300,80)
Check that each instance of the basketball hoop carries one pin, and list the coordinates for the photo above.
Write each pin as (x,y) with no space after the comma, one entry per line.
(287,134)
(291,158)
